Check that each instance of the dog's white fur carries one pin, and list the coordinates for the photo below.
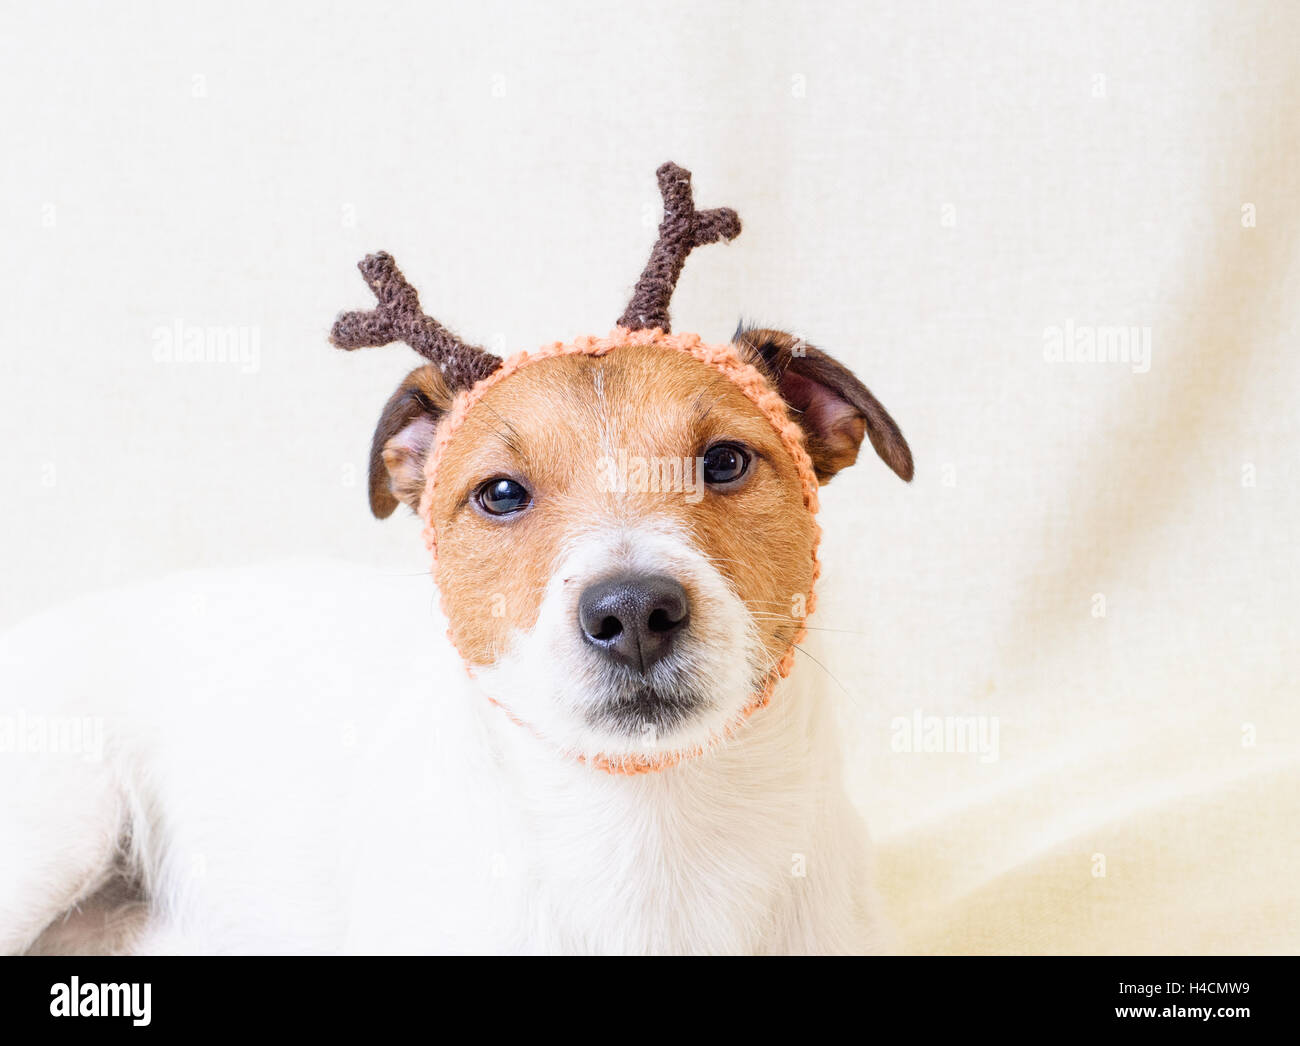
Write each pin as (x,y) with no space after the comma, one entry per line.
(296,760)
(549,677)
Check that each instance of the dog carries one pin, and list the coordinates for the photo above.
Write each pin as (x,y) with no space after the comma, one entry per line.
(614,749)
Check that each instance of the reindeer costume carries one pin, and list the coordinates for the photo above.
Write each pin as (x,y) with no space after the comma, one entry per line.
(754,368)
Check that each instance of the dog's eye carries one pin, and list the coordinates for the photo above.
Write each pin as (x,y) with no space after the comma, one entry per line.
(500,497)
(725,463)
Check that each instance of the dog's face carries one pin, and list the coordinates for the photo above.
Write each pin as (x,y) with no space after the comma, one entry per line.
(623,547)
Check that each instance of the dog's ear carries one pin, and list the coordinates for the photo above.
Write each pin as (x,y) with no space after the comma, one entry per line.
(403,438)
(833,408)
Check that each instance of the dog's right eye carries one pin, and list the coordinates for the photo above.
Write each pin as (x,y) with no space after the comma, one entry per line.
(501,497)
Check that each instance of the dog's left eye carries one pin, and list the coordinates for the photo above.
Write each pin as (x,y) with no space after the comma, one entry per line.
(725,463)
(501,497)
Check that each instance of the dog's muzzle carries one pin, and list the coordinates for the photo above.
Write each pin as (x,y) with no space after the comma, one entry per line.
(634,622)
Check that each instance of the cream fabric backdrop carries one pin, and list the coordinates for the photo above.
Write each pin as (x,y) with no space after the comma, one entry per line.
(926,190)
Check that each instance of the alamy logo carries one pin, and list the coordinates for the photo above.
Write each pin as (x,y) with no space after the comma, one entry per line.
(919,732)
(27,734)
(101,1000)
(186,343)
(624,474)
(1086,344)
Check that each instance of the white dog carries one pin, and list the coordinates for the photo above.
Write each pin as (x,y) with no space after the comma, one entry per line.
(610,754)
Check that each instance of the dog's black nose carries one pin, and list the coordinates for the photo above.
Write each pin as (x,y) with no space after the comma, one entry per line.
(634,618)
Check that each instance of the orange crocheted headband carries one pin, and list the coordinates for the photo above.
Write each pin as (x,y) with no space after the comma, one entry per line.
(645,321)
(727,362)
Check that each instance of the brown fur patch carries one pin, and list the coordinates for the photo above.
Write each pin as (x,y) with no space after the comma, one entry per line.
(549,426)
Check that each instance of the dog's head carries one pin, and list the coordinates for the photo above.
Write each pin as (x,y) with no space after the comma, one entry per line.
(624,551)
(625,547)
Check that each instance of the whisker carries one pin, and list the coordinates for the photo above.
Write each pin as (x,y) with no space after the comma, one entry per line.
(852,697)
(765,616)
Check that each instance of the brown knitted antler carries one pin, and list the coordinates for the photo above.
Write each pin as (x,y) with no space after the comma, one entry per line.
(399,318)
(683,228)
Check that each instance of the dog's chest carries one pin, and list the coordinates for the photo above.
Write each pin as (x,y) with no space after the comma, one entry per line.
(497,845)
(699,862)
(642,882)
(498,875)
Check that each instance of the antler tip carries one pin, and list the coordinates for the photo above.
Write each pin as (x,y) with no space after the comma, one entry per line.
(727,223)
(375,264)
(682,229)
